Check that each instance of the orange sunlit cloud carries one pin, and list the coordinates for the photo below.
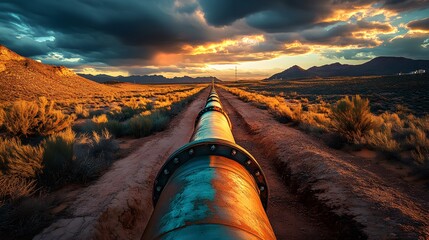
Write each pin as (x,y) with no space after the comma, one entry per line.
(359,13)
(167,59)
(199,37)
(225,46)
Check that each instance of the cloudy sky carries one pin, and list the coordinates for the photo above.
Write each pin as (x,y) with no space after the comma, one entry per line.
(212,37)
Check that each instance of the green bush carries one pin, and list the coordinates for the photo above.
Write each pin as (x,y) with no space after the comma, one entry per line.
(116,128)
(352,118)
(57,158)
(140,126)
(160,120)
(93,154)
(125,113)
(19,159)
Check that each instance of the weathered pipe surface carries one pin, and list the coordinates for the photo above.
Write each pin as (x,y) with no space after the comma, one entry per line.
(211,188)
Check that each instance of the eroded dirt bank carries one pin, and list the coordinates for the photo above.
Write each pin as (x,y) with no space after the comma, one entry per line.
(119,204)
(357,201)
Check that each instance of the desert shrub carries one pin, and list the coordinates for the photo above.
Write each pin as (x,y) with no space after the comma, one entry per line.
(116,128)
(283,113)
(15,187)
(100,123)
(160,120)
(100,119)
(124,113)
(21,118)
(93,154)
(420,151)
(352,118)
(51,121)
(314,122)
(382,140)
(95,112)
(19,159)
(140,126)
(132,103)
(25,218)
(81,111)
(35,118)
(57,158)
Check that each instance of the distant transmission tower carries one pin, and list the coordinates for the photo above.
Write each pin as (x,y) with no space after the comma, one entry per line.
(236,73)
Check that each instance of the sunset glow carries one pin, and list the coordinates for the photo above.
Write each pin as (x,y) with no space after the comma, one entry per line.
(201,38)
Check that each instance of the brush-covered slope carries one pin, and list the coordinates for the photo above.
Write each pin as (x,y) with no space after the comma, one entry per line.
(24,78)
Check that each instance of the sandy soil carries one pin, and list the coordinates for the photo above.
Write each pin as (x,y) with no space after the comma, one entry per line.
(367,200)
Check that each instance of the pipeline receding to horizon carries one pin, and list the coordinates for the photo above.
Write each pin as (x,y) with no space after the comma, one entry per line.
(210,188)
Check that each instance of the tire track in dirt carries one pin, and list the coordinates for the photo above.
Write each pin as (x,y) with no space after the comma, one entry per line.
(289,217)
(119,204)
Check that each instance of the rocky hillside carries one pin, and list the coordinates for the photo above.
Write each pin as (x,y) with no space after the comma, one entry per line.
(24,78)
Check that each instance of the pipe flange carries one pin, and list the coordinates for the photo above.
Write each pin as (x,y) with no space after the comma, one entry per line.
(211,147)
(212,108)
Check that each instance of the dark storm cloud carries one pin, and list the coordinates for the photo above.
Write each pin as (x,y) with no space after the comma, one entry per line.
(115,32)
(403,5)
(224,12)
(269,15)
(415,47)
(132,32)
(291,15)
(344,34)
(422,24)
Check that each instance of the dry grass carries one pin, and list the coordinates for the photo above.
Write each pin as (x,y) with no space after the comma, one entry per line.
(15,187)
(93,154)
(39,151)
(19,159)
(351,119)
(81,111)
(141,120)
(57,158)
(24,118)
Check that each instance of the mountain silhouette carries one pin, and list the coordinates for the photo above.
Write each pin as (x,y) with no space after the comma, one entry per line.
(377,66)
(148,79)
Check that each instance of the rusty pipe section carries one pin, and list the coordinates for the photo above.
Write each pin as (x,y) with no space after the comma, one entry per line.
(210,188)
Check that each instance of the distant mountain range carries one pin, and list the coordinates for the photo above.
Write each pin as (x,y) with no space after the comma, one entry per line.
(148,79)
(377,66)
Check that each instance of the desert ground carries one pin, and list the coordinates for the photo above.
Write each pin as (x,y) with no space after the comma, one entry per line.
(78,160)
(310,185)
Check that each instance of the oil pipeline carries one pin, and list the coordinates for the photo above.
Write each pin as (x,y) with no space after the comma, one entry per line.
(210,188)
